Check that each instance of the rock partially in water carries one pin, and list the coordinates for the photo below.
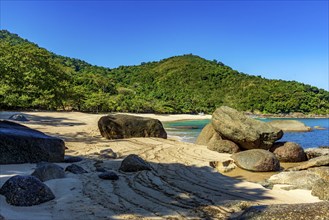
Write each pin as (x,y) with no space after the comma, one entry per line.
(127,126)
(305,211)
(288,152)
(20,144)
(133,163)
(290,125)
(26,191)
(248,133)
(256,160)
(48,171)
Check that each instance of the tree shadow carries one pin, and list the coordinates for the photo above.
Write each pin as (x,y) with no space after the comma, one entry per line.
(42,120)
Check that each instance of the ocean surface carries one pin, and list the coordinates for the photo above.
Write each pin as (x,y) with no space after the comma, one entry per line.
(189,130)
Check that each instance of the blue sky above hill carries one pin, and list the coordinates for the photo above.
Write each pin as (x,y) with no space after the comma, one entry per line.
(276,39)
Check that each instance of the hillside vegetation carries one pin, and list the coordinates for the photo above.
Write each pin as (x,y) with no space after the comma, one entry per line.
(34,78)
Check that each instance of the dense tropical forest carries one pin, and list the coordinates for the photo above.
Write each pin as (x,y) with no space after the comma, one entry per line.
(34,78)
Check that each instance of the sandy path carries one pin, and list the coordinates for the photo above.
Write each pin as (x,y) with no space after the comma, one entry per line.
(181,184)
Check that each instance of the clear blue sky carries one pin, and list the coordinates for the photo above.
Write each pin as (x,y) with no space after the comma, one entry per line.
(276,39)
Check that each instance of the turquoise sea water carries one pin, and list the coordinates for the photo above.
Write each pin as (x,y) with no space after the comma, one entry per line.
(189,130)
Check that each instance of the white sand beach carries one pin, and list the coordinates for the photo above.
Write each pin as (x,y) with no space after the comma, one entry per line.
(181,185)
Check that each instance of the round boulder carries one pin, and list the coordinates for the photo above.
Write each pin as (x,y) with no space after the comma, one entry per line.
(256,160)
(288,152)
(26,191)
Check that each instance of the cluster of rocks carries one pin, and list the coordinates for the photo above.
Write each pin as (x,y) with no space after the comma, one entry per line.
(20,144)
(252,142)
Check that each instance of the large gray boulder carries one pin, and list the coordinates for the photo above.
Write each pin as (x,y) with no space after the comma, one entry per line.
(321,189)
(119,126)
(26,191)
(316,152)
(305,211)
(20,144)
(248,133)
(210,138)
(290,125)
(288,152)
(256,160)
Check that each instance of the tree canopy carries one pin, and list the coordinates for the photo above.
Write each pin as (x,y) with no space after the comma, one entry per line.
(34,78)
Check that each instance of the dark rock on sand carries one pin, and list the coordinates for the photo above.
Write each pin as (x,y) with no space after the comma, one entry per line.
(288,152)
(72,159)
(127,126)
(305,211)
(248,133)
(223,166)
(133,163)
(73,168)
(20,144)
(108,175)
(18,117)
(48,171)
(289,125)
(26,191)
(256,160)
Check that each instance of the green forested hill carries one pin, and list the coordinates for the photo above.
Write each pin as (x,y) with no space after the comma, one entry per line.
(34,78)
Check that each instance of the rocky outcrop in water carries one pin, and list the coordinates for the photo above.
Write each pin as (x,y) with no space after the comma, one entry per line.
(20,144)
(121,126)
(26,191)
(257,160)
(248,133)
(290,125)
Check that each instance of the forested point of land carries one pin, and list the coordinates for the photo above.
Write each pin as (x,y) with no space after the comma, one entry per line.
(35,78)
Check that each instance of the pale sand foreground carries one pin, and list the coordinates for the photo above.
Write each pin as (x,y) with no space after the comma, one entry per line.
(181,185)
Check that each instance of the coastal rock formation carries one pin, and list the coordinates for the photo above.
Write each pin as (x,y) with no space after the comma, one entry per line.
(288,152)
(248,133)
(214,141)
(305,211)
(315,162)
(290,125)
(316,152)
(127,126)
(256,160)
(224,146)
(26,191)
(20,144)
(48,171)
(133,163)
(304,179)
